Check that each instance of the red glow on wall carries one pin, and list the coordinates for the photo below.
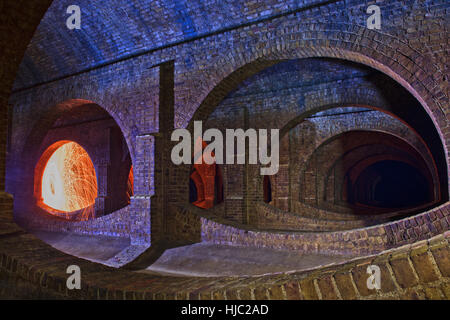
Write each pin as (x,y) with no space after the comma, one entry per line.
(130,184)
(68,181)
(208,181)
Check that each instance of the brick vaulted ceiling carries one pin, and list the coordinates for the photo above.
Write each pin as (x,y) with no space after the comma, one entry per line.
(116,29)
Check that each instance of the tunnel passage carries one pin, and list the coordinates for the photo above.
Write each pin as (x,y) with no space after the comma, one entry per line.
(332,96)
(66,182)
(391,184)
(367,171)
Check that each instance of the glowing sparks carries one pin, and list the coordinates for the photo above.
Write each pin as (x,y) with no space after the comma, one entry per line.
(69,182)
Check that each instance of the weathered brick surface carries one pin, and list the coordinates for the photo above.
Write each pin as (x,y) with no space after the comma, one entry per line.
(424,265)
(308,290)
(344,283)
(440,252)
(403,271)
(411,50)
(326,288)
(359,241)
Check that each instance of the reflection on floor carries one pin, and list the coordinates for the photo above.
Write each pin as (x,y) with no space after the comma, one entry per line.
(201,259)
(94,248)
(209,260)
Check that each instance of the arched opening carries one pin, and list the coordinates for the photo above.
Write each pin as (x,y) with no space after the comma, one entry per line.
(387,92)
(392,184)
(205,186)
(66,181)
(205,183)
(92,128)
(367,172)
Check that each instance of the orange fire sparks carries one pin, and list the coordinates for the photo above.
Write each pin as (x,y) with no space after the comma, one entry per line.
(69,182)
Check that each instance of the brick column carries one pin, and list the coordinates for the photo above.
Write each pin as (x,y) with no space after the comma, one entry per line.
(6,200)
(102,201)
(162,161)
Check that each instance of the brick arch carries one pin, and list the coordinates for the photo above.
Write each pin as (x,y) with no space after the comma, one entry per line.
(354,172)
(356,97)
(360,163)
(249,60)
(81,214)
(42,125)
(418,79)
(427,173)
(344,102)
(37,144)
(435,248)
(366,98)
(208,182)
(418,146)
(52,112)
(351,154)
(46,119)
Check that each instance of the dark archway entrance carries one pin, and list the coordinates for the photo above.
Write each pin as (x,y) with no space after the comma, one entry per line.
(391,184)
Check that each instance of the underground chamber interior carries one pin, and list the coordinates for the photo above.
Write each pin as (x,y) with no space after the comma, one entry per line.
(336,119)
(339,157)
(369,172)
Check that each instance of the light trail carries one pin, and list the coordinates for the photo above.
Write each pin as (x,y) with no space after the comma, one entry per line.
(69,181)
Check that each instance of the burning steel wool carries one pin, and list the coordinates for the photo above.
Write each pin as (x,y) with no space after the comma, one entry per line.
(69,182)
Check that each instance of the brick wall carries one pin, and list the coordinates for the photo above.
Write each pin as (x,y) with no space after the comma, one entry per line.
(352,242)
(411,50)
(417,271)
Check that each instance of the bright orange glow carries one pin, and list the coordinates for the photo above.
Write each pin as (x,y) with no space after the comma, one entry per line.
(207,178)
(69,182)
(130,184)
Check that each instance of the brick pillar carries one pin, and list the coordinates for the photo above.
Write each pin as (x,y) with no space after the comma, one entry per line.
(102,203)
(142,202)
(6,200)
(163,164)
(3,138)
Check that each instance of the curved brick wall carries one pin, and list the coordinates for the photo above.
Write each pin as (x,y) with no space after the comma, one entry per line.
(285,96)
(359,241)
(346,212)
(309,134)
(31,269)
(312,219)
(405,51)
(115,224)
